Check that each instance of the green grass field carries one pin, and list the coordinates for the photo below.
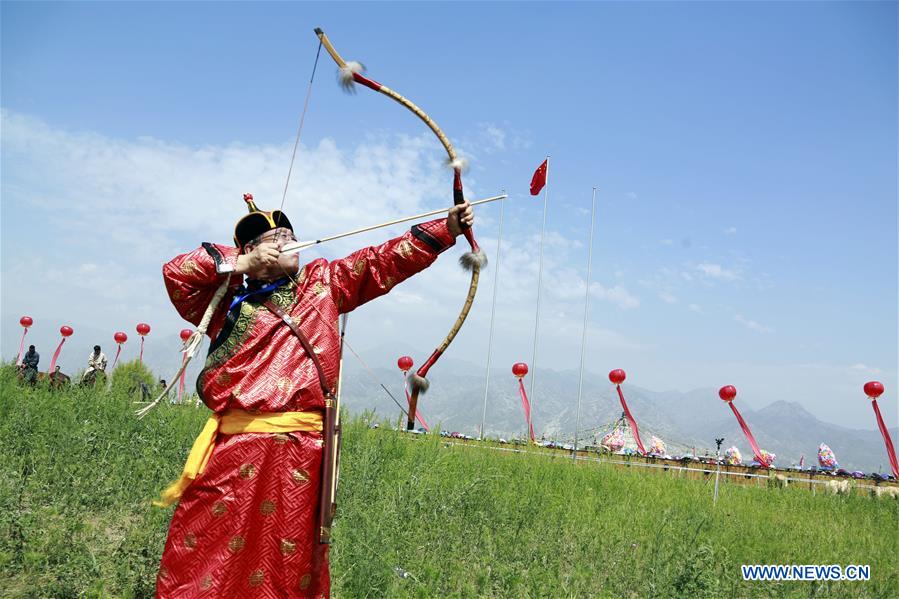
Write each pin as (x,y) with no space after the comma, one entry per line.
(417,517)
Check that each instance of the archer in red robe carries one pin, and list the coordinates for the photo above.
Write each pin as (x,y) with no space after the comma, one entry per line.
(246,526)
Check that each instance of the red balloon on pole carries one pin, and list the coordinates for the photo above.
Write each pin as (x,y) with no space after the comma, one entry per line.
(66,332)
(120,337)
(520,370)
(405,364)
(873,389)
(617,377)
(26,322)
(727,393)
(143,329)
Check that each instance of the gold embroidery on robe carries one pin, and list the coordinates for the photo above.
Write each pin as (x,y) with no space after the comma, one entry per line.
(188,267)
(236,543)
(257,578)
(288,546)
(284,384)
(267,507)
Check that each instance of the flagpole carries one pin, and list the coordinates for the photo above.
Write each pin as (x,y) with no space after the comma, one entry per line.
(499,239)
(580,384)
(539,280)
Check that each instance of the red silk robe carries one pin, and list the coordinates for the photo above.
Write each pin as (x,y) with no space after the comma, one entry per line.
(246,527)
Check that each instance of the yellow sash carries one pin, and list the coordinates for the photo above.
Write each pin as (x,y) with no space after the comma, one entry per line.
(232,422)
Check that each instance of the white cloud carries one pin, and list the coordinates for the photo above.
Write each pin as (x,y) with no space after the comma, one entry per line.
(667,297)
(631,195)
(695,308)
(403,297)
(865,369)
(165,188)
(496,136)
(730,231)
(617,295)
(716,271)
(117,209)
(492,138)
(753,325)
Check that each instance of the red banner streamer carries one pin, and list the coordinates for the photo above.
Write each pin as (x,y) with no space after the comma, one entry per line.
(181,382)
(630,420)
(21,347)
(418,415)
(140,358)
(56,356)
(891,452)
(527,408)
(755,446)
(116,359)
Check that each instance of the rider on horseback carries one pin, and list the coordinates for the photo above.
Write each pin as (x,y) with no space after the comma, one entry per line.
(96,365)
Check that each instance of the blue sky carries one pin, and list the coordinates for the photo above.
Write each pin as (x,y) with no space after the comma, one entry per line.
(745,155)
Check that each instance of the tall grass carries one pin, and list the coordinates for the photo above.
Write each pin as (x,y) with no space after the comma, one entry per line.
(417,517)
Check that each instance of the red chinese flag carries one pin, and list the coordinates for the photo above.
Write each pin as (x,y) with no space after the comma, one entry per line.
(539,179)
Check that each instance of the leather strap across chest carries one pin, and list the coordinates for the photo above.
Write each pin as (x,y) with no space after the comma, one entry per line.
(280,313)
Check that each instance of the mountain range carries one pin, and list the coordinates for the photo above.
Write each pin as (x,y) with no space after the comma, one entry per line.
(684,420)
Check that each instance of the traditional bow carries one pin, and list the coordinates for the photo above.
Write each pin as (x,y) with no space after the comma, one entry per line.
(473,261)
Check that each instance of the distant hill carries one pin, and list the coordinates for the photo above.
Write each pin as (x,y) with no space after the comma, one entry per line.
(683,420)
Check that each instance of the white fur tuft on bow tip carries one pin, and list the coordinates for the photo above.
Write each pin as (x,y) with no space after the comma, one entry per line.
(345,75)
(418,383)
(459,164)
(469,260)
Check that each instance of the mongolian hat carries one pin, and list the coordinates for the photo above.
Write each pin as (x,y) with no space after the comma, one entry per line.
(257,222)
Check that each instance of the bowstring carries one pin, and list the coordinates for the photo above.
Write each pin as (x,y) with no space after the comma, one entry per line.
(296,143)
(293,156)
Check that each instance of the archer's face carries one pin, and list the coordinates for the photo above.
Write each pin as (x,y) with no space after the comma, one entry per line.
(277,238)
